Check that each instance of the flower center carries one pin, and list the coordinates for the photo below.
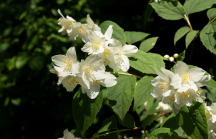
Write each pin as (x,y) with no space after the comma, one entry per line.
(186,78)
(199,91)
(73,81)
(120,53)
(163,86)
(66,65)
(106,53)
(106,62)
(172,97)
(208,115)
(95,45)
(89,70)
(67,23)
(184,95)
(59,21)
(80,30)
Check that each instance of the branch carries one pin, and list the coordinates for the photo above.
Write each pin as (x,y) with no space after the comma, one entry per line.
(188,21)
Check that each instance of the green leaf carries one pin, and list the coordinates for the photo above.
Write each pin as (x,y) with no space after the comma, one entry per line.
(208,38)
(181,56)
(118,32)
(132,36)
(170,122)
(76,132)
(121,95)
(108,124)
(85,110)
(211,84)
(193,6)
(36,62)
(21,60)
(180,33)
(148,120)
(190,36)
(170,10)
(143,91)
(128,121)
(110,136)
(159,130)
(158,59)
(148,44)
(144,62)
(211,13)
(193,121)
(170,135)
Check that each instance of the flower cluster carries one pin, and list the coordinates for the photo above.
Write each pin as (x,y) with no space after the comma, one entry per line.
(210,112)
(68,135)
(181,87)
(102,49)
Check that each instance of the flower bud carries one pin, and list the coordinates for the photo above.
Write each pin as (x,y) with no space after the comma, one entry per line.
(175,55)
(166,56)
(171,59)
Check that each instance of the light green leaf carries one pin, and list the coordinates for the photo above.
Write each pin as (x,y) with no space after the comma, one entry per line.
(121,95)
(190,36)
(158,59)
(170,10)
(108,124)
(181,56)
(144,62)
(128,121)
(207,37)
(211,13)
(143,91)
(133,36)
(180,33)
(193,121)
(118,32)
(148,120)
(211,84)
(170,122)
(159,130)
(85,110)
(193,6)
(148,44)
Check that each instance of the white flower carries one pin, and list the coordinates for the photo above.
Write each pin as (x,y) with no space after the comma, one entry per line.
(67,69)
(163,107)
(175,55)
(107,35)
(81,30)
(171,59)
(66,23)
(68,135)
(122,53)
(92,72)
(166,56)
(95,45)
(211,115)
(92,25)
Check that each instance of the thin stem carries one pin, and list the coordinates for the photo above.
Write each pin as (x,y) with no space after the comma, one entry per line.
(126,74)
(145,133)
(117,131)
(161,116)
(212,20)
(188,21)
(213,136)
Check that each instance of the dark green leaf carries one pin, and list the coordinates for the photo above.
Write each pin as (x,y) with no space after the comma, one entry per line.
(159,130)
(143,91)
(148,120)
(133,36)
(170,10)
(193,121)
(147,13)
(180,33)
(170,122)
(148,44)
(128,121)
(121,95)
(118,32)
(181,56)
(108,124)
(85,110)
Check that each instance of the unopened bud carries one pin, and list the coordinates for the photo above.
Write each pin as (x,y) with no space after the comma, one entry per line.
(175,55)
(166,56)
(171,59)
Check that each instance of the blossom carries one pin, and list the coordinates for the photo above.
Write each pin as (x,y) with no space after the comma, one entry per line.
(66,23)
(175,55)
(92,72)
(67,69)
(107,35)
(92,25)
(163,107)
(171,59)
(210,113)
(95,45)
(166,56)
(68,135)
(122,53)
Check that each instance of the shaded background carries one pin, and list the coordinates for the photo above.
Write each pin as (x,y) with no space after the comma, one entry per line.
(31,104)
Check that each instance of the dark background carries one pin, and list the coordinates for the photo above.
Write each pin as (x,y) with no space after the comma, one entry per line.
(31,104)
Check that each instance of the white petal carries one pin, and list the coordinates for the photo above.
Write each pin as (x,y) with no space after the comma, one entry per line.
(62,29)
(58,59)
(125,64)
(93,91)
(110,80)
(196,74)
(75,68)
(117,44)
(96,28)
(181,68)
(183,89)
(167,72)
(157,93)
(129,50)
(87,48)
(71,54)
(70,18)
(193,86)
(176,81)
(89,21)
(69,86)
(203,81)
(60,80)
(68,135)
(167,93)
(175,110)
(108,33)
(162,76)
(156,81)
(60,13)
